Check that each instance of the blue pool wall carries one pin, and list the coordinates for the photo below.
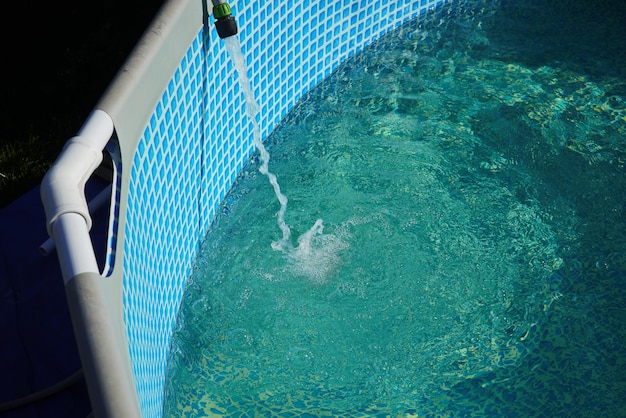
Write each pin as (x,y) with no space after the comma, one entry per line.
(198,138)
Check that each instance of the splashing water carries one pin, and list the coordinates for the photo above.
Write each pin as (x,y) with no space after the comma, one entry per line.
(252,110)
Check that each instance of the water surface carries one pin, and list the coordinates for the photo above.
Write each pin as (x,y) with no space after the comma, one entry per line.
(471,256)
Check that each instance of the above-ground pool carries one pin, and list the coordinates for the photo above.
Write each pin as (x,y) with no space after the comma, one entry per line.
(449,234)
(467,172)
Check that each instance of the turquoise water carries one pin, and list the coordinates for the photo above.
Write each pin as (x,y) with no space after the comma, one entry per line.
(468,172)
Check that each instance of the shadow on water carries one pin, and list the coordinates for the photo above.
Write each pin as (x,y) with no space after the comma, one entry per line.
(586,34)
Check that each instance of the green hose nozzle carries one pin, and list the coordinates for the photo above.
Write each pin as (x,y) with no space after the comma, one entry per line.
(221,10)
(224,21)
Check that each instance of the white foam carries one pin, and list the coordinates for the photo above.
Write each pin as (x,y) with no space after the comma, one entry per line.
(317,255)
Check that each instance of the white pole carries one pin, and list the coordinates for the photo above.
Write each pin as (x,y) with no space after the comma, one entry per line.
(74,246)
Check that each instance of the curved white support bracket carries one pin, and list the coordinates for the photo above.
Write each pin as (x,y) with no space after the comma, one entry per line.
(63,186)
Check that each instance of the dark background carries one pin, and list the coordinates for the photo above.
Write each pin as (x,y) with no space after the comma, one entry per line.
(57,60)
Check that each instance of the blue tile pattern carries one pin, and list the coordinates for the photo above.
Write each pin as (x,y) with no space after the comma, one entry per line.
(198,139)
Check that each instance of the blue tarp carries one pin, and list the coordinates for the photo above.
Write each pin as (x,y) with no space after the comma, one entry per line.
(37,339)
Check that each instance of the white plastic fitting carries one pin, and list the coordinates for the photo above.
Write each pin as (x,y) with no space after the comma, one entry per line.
(73,245)
(63,186)
(95,204)
(62,189)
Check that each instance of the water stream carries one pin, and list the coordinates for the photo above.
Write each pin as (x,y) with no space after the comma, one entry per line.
(233,47)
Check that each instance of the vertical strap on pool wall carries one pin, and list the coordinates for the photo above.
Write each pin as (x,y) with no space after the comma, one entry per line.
(104,362)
